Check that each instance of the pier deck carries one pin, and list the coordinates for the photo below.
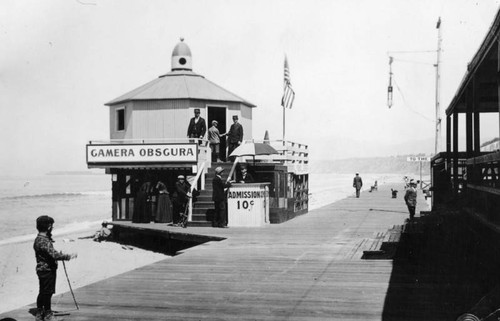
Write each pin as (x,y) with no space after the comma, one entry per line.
(309,268)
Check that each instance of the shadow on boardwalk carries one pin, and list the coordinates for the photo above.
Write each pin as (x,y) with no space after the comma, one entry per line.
(444,265)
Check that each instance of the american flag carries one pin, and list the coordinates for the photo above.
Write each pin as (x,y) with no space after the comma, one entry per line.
(288,93)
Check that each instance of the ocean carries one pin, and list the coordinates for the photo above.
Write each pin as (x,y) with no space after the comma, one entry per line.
(82,202)
(76,202)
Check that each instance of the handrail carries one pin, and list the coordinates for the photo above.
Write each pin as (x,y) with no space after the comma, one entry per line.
(193,186)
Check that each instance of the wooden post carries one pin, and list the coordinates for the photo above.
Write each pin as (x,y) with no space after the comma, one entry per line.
(468,118)
(455,152)
(448,142)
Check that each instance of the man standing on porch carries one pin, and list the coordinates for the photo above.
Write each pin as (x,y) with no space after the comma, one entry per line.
(234,137)
(197,127)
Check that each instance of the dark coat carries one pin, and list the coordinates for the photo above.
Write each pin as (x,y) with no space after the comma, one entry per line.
(218,186)
(181,190)
(357,182)
(235,133)
(197,130)
(248,178)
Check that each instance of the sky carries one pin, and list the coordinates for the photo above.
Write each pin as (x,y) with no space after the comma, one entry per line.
(62,60)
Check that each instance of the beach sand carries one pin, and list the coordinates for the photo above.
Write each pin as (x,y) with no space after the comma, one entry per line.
(96,261)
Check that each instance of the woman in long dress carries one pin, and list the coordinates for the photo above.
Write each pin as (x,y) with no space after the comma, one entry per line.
(140,205)
(164,213)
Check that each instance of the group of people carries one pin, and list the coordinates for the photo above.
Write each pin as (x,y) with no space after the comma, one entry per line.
(154,204)
(197,129)
(410,196)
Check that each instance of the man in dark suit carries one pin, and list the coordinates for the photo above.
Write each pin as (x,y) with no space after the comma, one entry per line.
(181,197)
(244,176)
(219,198)
(234,136)
(197,126)
(357,183)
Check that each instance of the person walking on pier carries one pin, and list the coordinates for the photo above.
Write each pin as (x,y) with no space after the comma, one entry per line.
(219,198)
(46,267)
(411,198)
(357,183)
(234,137)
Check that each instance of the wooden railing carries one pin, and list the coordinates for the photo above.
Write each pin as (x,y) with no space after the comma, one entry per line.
(485,173)
(292,154)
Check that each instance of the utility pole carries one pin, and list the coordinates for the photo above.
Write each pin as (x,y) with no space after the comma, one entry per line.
(389,88)
(438,81)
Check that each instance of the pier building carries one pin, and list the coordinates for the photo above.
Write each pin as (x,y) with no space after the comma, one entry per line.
(472,174)
(148,143)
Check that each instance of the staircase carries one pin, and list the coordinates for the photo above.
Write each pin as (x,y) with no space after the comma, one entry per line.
(203,208)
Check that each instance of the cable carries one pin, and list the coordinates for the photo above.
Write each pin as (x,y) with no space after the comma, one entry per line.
(406,104)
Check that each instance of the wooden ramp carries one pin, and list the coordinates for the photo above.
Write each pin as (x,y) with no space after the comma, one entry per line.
(309,268)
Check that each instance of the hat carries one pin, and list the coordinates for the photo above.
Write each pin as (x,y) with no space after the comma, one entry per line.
(219,170)
(235,116)
(214,122)
(180,177)
(43,222)
(197,110)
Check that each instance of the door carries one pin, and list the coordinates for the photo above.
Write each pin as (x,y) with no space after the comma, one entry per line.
(219,114)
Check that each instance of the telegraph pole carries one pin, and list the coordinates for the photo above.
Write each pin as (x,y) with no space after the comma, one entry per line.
(438,81)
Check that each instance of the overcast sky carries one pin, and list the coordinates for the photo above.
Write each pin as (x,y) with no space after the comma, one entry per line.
(61,60)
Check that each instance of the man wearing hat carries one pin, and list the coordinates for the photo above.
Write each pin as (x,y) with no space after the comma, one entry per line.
(214,140)
(181,196)
(357,183)
(219,198)
(411,198)
(234,136)
(46,267)
(197,126)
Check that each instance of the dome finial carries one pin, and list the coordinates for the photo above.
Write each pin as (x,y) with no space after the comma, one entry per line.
(181,57)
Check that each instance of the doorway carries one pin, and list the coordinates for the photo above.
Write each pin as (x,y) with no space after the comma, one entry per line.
(218,113)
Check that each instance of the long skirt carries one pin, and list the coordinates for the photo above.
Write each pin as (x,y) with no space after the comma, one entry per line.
(164,209)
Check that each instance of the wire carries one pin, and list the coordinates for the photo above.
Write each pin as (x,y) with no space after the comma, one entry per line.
(416,51)
(415,62)
(407,105)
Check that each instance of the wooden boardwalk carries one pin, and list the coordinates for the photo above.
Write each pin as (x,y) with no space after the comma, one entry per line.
(309,268)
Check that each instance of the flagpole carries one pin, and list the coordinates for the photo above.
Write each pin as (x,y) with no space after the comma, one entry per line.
(284,122)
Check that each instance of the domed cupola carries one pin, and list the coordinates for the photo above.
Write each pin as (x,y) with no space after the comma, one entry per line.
(181,57)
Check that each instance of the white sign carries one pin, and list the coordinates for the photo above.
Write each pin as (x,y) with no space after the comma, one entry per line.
(418,159)
(248,205)
(141,153)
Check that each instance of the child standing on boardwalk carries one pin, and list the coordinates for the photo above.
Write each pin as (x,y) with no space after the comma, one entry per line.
(46,267)
(411,198)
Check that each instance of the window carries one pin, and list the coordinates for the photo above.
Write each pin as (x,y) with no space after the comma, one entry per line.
(120,119)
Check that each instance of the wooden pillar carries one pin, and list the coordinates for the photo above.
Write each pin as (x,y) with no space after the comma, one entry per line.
(448,142)
(498,84)
(455,152)
(469,102)
(475,109)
